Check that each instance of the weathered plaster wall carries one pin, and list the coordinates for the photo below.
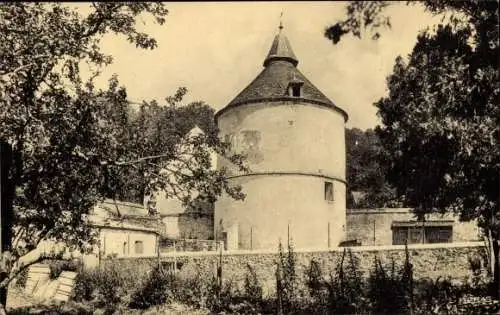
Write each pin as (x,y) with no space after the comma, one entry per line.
(278,206)
(287,136)
(122,242)
(292,149)
(373,226)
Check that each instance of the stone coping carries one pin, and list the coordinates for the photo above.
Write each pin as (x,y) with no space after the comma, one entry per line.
(378,211)
(318,250)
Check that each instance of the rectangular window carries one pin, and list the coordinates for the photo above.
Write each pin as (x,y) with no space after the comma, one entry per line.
(139,247)
(414,233)
(438,234)
(296,91)
(399,236)
(329,191)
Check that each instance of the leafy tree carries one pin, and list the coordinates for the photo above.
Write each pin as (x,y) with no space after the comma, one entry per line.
(441,119)
(154,130)
(62,139)
(365,171)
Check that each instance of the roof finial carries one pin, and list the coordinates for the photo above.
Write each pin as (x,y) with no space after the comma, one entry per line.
(281,22)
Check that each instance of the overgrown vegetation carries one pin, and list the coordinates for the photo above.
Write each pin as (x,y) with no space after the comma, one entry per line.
(388,287)
(286,280)
(441,112)
(58,266)
(105,288)
(156,290)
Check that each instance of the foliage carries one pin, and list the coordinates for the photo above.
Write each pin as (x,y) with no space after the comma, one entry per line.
(286,278)
(389,289)
(361,15)
(58,266)
(162,130)
(365,171)
(442,114)
(191,290)
(252,287)
(385,290)
(339,293)
(49,112)
(107,287)
(435,295)
(68,308)
(21,279)
(221,298)
(155,290)
(85,284)
(66,144)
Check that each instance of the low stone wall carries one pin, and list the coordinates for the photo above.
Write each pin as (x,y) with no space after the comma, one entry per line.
(429,261)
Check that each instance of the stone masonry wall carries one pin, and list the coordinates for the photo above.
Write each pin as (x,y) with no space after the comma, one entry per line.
(373,226)
(429,261)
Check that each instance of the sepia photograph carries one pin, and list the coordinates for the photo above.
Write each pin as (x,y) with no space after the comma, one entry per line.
(267,157)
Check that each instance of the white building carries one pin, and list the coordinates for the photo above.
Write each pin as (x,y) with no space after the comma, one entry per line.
(125,230)
(293,137)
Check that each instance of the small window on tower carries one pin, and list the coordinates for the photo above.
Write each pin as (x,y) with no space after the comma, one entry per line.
(295,88)
(329,191)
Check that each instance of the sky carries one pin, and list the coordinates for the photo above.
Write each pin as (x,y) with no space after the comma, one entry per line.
(216,49)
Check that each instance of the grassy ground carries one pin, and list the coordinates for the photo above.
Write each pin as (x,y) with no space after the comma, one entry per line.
(20,303)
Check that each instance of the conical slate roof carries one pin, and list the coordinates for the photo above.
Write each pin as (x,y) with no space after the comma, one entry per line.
(280,69)
(281,50)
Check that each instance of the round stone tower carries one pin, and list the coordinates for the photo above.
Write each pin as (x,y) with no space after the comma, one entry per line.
(294,141)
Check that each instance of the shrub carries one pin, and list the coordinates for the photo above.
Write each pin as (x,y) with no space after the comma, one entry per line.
(252,287)
(192,289)
(340,293)
(479,280)
(106,287)
(286,279)
(111,288)
(156,290)
(223,298)
(68,308)
(435,296)
(346,291)
(85,283)
(386,290)
(58,266)
(318,288)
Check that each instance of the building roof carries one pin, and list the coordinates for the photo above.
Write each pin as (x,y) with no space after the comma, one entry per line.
(121,208)
(128,216)
(280,69)
(281,50)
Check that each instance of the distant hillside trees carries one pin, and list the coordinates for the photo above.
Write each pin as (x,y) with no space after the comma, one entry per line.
(367,185)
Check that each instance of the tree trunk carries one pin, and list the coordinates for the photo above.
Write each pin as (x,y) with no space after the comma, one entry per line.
(496,269)
(7,189)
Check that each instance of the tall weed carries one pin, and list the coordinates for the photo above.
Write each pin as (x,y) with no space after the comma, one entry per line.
(156,290)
